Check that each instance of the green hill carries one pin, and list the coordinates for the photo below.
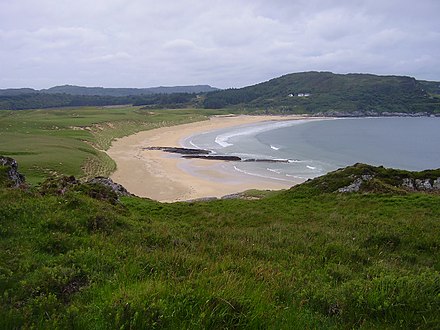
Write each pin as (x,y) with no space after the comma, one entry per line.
(73,96)
(325,92)
(101,91)
(76,256)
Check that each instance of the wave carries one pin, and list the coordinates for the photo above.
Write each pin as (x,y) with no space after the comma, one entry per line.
(297,176)
(223,139)
(311,167)
(274,170)
(274,148)
(258,175)
(193,144)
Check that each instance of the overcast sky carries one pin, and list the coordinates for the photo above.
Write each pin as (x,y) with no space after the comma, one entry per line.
(225,43)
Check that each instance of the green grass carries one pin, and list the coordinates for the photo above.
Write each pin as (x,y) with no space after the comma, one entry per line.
(304,258)
(70,141)
(327,261)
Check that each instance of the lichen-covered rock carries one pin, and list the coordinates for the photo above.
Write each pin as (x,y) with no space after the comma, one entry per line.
(367,177)
(107,182)
(423,184)
(354,187)
(408,183)
(12,177)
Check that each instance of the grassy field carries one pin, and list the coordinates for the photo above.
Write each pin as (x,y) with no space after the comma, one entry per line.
(299,259)
(69,141)
(305,258)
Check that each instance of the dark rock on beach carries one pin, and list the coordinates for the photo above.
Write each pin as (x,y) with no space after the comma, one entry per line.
(182,151)
(266,160)
(236,159)
(216,157)
(207,154)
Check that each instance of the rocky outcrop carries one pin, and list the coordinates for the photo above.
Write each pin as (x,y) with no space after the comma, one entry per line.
(364,178)
(98,188)
(117,188)
(428,185)
(356,185)
(408,183)
(421,184)
(392,181)
(13,177)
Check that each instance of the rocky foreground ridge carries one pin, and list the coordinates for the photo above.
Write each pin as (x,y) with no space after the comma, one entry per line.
(10,175)
(359,178)
(376,179)
(98,187)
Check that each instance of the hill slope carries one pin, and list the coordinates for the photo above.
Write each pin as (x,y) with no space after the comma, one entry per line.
(72,256)
(325,92)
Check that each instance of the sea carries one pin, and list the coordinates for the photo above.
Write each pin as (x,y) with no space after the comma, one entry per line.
(313,147)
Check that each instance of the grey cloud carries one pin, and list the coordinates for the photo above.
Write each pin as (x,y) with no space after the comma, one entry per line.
(223,43)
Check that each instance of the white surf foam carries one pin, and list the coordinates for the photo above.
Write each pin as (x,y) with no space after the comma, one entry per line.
(224,139)
(193,144)
(258,175)
(274,148)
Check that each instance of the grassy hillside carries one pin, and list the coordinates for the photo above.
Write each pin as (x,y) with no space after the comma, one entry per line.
(69,141)
(328,92)
(304,258)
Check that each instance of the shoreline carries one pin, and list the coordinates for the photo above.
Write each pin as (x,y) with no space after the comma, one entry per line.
(165,177)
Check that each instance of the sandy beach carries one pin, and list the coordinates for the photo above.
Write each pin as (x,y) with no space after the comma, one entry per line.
(167,178)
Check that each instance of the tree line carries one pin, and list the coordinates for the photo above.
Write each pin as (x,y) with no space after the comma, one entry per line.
(43,100)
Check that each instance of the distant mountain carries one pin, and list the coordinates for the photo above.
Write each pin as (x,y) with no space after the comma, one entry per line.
(329,93)
(115,92)
(316,93)
(101,91)
(17,91)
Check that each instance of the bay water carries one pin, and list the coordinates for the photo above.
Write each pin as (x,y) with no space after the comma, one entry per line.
(313,147)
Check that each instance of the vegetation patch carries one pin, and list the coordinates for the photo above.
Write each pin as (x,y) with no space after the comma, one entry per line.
(72,258)
(47,141)
(326,93)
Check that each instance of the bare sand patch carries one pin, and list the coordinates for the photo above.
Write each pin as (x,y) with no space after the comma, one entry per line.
(164,177)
